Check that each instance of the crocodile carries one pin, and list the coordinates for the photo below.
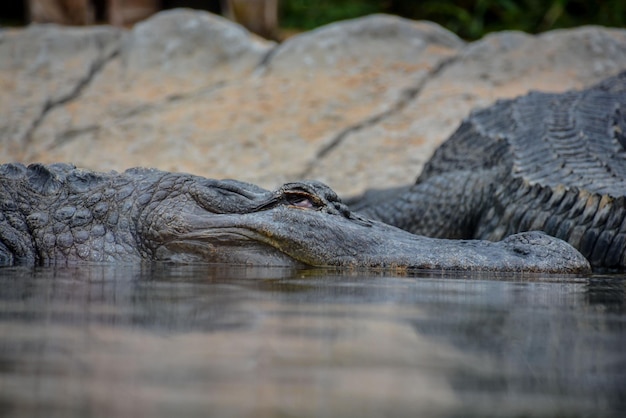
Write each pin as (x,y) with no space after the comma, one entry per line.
(58,213)
(553,162)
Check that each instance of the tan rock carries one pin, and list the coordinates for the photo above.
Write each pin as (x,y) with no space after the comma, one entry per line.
(43,67)
(357,104)
(173,105)
(500,66)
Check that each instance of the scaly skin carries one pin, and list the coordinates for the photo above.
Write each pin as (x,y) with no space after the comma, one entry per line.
(61,214)
(549,162)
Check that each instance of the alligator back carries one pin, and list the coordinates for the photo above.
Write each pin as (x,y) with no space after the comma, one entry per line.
(551,162)
(574,139)
(56,212)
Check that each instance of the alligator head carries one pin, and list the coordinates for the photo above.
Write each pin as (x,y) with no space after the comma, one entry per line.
(236,222)
(306,223)
(58,213)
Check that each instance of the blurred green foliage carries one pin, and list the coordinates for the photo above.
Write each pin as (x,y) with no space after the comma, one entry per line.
(470,19)
(309,14)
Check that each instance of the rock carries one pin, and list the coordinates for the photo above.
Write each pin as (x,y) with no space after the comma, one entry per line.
(171,56)
(262,123)
(502,65)
(356,45)
(185,43)
(357,104)
(44,66)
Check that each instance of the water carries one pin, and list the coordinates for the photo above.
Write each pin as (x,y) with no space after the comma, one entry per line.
(186,341)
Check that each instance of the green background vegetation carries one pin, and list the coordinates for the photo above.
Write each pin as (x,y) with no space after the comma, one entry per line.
(470,19)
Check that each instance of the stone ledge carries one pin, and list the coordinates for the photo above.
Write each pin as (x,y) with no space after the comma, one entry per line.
(357,104)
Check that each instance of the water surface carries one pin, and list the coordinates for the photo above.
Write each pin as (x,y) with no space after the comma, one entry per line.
(184,341)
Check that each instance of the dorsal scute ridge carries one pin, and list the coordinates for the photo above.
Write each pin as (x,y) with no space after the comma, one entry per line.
(571,139)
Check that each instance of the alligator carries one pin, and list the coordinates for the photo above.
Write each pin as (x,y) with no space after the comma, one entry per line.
(56,214)
(544,161)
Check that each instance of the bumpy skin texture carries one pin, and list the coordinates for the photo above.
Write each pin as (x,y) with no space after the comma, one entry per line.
(549,162)
(60,214)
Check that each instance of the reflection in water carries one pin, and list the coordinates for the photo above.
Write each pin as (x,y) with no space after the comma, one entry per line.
(161,340)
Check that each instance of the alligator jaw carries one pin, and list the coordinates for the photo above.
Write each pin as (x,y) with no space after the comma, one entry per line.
(288,236)
(224,245)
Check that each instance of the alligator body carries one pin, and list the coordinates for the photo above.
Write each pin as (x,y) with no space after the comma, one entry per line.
(59,214)
(549,162)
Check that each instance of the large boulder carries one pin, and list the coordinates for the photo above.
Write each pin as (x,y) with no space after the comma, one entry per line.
(43,67)
(356,104)
(502,65)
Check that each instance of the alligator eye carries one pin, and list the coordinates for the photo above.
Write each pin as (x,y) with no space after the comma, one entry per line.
(301,202)
(302,199)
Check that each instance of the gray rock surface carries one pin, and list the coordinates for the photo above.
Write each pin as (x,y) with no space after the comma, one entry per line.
(185,43)
(357,104)
(502,65)
(42,67)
